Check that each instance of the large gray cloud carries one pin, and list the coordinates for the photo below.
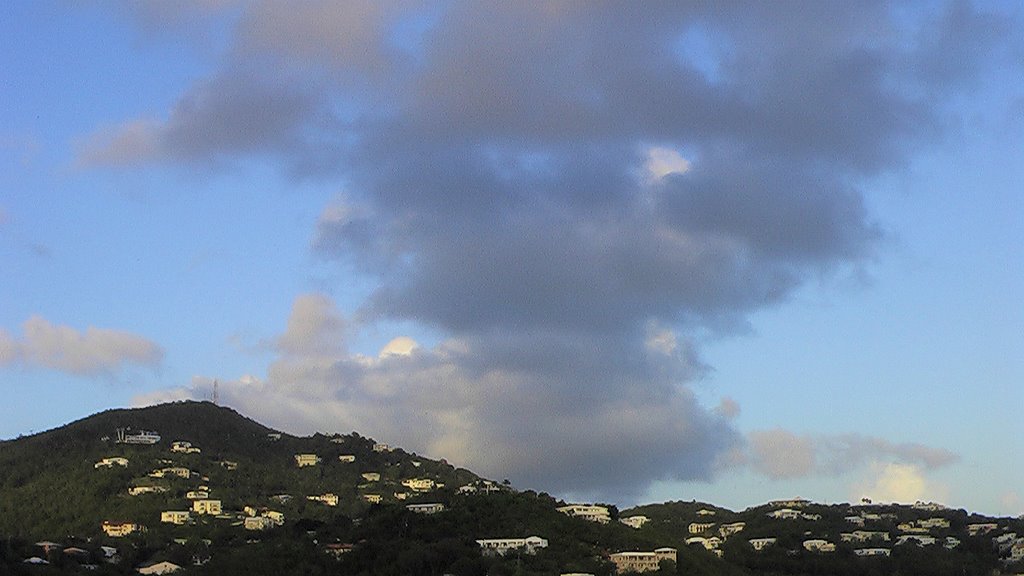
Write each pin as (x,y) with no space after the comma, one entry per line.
(494,160)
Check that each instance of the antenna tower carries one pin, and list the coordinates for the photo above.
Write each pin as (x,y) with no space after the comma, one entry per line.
(216,396)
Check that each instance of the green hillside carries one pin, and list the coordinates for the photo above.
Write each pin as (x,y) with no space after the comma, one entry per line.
(55,495)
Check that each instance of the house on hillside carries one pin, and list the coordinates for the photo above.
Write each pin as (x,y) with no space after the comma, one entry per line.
(431,508)
(699,527)
(111,462)
(178,517)
(726,530)
(381,447)
(502,546)
(347,458)
(139,490)
(864,536)
(257,523)
(706,512)
(983,528)
(121,528)
(818,545)
(303,460)
(197,495)
(373,498)
(872,552)
(915,539)
(328,498)
(934,523)
(371,476)
(589,512)
(784,514)
(761,543)
(635,521)
(711,544)
(183,447)
(418,484)
(159,568)
(171,471)
(209,507)
(641,561)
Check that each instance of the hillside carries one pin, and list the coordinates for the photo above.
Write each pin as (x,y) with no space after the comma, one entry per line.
(221,494)
(63,461)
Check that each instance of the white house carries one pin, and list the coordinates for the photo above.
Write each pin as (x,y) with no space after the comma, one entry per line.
(419,484)
(934,523)
(111,462)
(587,512)
(975,529)
(761,543)
(373,498)
(872,552)
(328,499)
(381,447)
(635,521)
(303,460)
(641,561)
(726,530)
(159,568)
(864,536)
(698,527)
(138,490)
(432,508)
(183,447)
(817,545)
(710,544)
(371,476)
(784,514)
(347,458)
(171,471)
(915,539)
(501,546)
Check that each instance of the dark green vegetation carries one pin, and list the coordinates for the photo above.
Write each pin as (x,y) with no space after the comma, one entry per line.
(50,490)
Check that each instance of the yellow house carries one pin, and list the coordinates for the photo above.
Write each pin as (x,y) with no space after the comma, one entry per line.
(328,499)
(303,460)
(207,507)
(120,529)
(641,561)
(178,517)
(419,484)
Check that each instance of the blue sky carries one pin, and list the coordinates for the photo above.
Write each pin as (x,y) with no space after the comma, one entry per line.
(731,253)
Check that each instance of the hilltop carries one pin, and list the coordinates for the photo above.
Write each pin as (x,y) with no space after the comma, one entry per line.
(214,492)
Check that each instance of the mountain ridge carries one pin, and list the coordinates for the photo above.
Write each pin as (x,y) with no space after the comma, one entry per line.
(353,493)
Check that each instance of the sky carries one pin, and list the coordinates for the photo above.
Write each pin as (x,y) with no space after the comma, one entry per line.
(728,252)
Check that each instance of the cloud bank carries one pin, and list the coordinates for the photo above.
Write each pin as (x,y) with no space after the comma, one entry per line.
(95,351)
(570,193)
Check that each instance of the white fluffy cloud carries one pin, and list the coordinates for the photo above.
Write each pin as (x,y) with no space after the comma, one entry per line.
(512,421)
(90,352)
(896,482)
(781,454)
